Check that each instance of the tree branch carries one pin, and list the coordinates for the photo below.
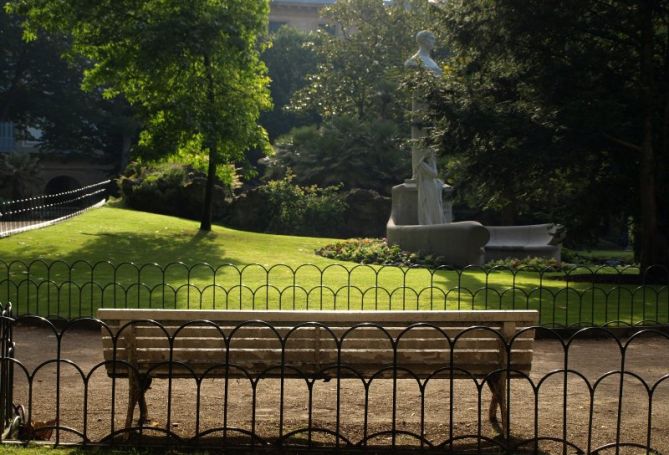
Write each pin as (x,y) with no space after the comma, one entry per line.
(629,145)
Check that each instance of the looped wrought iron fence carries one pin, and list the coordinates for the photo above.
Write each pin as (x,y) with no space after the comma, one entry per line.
(570,402)
(46,209)
(575,297)
(6,366)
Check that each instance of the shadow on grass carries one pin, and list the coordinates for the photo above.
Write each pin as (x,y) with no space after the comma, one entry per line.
(42,286)
(187,247)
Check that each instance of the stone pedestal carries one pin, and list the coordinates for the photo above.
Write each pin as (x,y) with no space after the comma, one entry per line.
(405,202)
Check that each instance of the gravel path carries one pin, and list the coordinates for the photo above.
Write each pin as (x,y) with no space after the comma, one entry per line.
(647,357)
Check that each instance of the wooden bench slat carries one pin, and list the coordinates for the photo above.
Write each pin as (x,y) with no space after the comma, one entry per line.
(266,332)
(366,369)
(469,317)
(325,356)
(292,343)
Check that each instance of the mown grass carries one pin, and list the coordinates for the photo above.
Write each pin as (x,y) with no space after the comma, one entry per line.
(117,257)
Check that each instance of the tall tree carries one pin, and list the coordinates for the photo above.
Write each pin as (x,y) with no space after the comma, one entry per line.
(591,76)
(191,67)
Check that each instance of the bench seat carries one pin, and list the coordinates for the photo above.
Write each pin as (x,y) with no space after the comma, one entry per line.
(536,240)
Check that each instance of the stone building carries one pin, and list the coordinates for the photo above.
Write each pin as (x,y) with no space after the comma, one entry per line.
(301,14)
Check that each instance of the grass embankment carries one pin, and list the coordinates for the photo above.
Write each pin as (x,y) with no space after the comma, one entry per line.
(62,270)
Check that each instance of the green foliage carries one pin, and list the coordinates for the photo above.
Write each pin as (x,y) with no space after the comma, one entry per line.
(193,154)
(361,65)
(355,91)
(302,210)
(598,258)
(39,89)
(377,251)
(530,263)
(289,59)
(542,114)
(575,262)
(191,68)
(344,150)
(169,188)
(365,251)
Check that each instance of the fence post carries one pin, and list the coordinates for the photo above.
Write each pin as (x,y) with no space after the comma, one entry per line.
(6,369)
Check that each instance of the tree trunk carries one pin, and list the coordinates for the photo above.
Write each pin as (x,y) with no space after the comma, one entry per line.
(210,142)
(205,223)
(653,244)
(125,151)
(508,215)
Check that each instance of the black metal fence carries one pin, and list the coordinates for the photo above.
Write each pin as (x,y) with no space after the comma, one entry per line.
(6,369)
(38,211)
(577,297)
(582,396)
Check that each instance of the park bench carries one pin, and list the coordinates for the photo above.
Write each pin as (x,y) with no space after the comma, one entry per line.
(347,344)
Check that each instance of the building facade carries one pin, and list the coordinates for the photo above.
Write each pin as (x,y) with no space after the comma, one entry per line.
(301,14)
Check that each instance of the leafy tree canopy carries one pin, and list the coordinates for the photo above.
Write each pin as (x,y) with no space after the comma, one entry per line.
(355,92)
(41,90)
(361,65)
(344,150)
(561,107)
(289,59)
(192,67)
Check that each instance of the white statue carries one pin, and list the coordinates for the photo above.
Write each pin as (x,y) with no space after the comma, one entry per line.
(422,58)
(423,161)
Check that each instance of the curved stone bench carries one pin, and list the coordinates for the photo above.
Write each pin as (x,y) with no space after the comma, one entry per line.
(460,244)
(536,240)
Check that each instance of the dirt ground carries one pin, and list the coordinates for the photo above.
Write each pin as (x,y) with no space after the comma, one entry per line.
(537,410)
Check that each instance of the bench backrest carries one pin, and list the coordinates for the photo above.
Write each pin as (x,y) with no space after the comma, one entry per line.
(531,235)
(361,342)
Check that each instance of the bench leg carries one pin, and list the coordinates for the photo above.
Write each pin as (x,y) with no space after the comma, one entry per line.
(132,401)
(137,387)
(497,384)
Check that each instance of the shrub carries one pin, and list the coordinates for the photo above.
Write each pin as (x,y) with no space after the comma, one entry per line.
(377,251)
(170,189)
(344,150)
(365,251)
(302,210)
(532,263)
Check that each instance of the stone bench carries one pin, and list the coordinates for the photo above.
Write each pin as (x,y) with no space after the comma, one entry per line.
(143,344)
(537,240)
(459,244)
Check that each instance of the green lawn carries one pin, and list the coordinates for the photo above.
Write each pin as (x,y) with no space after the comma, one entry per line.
(63,270)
